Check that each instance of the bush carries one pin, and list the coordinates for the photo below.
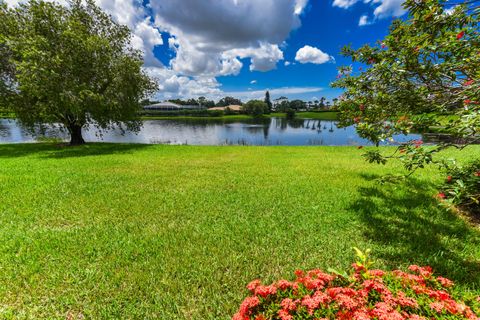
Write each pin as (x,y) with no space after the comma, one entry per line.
(462,186)
(364,294)
(255,108)
(290,113)
(229,111)
(215,113)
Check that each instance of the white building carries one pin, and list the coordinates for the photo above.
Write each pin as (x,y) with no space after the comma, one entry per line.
(170,106)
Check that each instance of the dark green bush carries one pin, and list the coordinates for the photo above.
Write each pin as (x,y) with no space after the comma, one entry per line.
(462,186)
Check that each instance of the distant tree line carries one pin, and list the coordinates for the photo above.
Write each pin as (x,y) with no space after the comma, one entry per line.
(258,107)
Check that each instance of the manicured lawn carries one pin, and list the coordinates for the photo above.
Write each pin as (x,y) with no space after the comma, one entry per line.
(175,232)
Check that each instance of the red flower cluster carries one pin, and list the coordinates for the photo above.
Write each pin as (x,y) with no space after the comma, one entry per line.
(460,35)
(366,294)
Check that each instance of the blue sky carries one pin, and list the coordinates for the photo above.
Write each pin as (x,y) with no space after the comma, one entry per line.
(242,48)
(325,27)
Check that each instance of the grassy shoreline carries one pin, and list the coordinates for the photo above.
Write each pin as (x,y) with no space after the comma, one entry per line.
(175,232)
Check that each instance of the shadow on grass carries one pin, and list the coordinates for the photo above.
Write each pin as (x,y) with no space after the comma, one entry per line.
(48,150)
(407,225)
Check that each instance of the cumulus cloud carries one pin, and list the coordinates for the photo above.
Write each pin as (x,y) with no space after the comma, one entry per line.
(388,8)
(309,54)
(364,21)
(208,38)
(212,35)
(174,85)
(345,4)
(383,8)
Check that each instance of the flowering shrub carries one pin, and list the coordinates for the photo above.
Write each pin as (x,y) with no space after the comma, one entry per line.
(364,294)
(462,186)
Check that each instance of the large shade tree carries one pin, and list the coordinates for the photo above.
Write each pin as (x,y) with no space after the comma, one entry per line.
(70,65)
(428,64)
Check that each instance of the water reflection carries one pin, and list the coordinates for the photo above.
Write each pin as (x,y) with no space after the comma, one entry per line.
(267,131)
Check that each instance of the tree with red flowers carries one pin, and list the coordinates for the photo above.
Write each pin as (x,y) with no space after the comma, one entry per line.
(428,64)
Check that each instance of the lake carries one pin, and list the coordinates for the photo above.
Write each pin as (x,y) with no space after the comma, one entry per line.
(263,132)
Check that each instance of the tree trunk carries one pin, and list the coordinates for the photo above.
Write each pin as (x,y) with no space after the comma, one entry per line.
(75,131)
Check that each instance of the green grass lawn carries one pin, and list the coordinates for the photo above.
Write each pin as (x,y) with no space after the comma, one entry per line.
(176,232)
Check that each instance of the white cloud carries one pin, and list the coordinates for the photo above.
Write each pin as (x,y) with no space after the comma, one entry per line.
(173,85)
(287,63)
(209,38)
(210,34)
(383,8)
(345,4)
(451,10)
(309,54)
(389,8)
(364,21)
(253,82)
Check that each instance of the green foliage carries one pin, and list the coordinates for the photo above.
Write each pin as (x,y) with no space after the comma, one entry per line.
(255,108)
(72,65)
(427,63)
(268,101)
(462,185)
(227,101)
(290,113)
(215,113)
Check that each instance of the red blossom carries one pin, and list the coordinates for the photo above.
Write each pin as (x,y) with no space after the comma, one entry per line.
(477,174)
(468,83)
(284,315)
(253,285)
(289,304)
(299,273)
(441,195)
(437,306)
(445,282)
(449,179)
(265,291)
(372,294)
(284,284)
(417,143)
(460,35)
(376,273)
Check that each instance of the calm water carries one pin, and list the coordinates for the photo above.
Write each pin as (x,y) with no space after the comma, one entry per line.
(275,131)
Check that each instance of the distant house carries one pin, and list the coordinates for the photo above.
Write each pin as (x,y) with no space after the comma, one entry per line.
(234,108)
(170,106)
